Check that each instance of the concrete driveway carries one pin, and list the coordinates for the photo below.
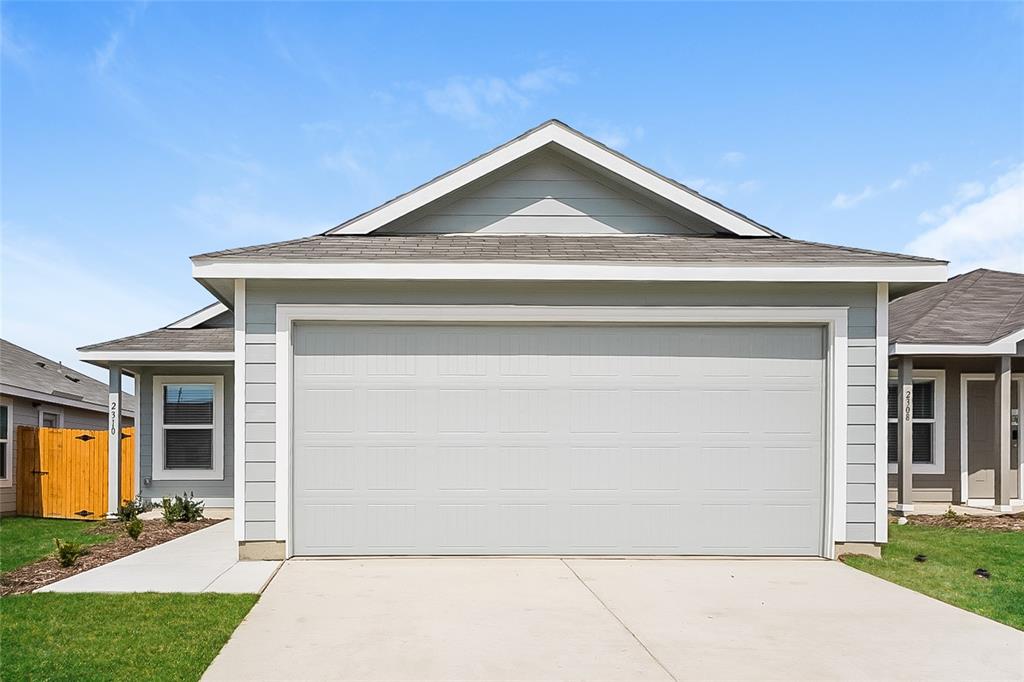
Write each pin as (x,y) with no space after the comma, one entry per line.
(605,619)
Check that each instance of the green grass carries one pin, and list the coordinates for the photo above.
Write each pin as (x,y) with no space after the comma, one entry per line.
(143,636)
(24,540)
(948,574)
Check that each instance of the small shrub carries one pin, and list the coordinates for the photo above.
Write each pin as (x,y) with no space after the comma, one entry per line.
(131,509)
(951,513)
(185,509)
(68,552)
(134,528)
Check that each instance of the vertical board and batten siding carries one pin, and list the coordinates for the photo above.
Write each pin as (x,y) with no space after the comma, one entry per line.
(24,414)
(262,298)
(543,195)
(223,489)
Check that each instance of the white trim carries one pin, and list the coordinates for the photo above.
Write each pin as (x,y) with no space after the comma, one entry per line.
(239,444)
(44,409)
(964,378)
(833,318)
(1004,346)
(563,271)
(155,355)
(881,412)
(197,318)
(8,480)
(217,472)
(938,464)
(551,133)
(57,400)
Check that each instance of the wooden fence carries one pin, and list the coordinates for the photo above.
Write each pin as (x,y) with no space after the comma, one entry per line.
(62,473)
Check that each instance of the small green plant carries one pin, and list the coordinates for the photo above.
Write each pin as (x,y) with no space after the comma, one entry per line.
(134,528)
(950,513)
(130,509)
(184,509)
(68,552)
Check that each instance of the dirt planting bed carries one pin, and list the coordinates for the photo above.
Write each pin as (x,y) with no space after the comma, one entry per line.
(1001,522)
(48,570)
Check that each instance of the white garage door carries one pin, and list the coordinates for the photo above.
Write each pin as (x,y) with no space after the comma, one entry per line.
(558,440)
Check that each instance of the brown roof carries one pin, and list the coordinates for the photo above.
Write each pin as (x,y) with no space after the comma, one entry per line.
(978,307)
(496,248)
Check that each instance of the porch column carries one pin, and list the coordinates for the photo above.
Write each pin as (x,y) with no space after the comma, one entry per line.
(114,440)
(1003,480)
(905,436)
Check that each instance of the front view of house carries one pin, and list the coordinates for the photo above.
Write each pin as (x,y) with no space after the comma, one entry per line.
(548,350)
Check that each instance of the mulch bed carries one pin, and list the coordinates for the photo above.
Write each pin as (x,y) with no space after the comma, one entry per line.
(1001,522)
(48,570)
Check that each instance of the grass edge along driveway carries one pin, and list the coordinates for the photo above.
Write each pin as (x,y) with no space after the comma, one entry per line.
(24,539)
(141,636)
(953,554)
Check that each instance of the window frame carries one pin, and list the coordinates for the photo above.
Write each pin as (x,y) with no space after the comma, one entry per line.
(938,464)
(7,480)
(160,472)
(51,409)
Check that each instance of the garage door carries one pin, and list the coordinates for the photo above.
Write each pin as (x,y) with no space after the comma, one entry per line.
(557,440)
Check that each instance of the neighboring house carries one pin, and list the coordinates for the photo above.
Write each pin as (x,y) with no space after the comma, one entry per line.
(37,391)
(961,345)
(548,350)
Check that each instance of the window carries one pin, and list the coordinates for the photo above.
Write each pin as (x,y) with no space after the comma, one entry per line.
(188,442)
(928,451)
(6,442)
(51,418)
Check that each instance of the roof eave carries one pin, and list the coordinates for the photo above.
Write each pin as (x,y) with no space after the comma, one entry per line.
(1006,345)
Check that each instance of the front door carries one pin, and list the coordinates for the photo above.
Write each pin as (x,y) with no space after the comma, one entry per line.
(981,455)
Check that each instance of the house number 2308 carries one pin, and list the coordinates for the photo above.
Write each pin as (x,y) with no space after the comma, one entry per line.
(907,405)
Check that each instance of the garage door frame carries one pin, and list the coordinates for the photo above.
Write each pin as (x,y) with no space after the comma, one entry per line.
(834,319)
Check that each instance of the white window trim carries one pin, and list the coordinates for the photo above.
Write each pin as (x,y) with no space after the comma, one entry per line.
(964,378)
(217,472)
(50,409)
(834,319)
(938,463)
(8,481)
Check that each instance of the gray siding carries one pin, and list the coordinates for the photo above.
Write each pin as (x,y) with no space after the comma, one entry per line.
(945,487)
(24,414)
(222,488)
(262,298)
(544,195)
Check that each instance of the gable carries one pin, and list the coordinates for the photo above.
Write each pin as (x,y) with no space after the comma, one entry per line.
(546,193)
(597,169)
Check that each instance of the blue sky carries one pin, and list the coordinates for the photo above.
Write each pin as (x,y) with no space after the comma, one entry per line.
(136,135)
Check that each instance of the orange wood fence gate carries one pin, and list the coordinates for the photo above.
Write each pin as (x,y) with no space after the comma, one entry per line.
(62,473)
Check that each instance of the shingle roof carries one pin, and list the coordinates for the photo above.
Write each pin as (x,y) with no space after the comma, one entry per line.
(978,307)
(494,248)
(21,368)
(198,339)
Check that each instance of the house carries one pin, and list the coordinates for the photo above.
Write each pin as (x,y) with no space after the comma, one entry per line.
(37,391)
(548,350)
(956,386)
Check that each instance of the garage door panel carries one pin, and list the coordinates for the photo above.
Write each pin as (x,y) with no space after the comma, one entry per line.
(562,440)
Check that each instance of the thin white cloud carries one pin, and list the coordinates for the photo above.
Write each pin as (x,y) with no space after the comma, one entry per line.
(478,100)
(104,56)
(847,200)
(13,47)
(617,137)
(733,158)
(237,212)
(44,281)
(984,230)
(964,192)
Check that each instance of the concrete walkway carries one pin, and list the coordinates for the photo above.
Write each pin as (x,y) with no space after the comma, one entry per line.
(203,561)
(586,619)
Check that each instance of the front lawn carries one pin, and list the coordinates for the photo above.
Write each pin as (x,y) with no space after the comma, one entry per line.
(148,636)
(953,554)
(24,539)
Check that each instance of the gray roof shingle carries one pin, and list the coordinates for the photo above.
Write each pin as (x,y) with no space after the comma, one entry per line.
(198,339)
(21,368)
(496,248)
(978,307)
